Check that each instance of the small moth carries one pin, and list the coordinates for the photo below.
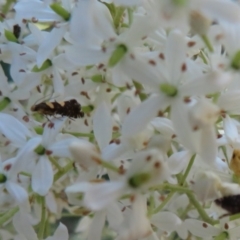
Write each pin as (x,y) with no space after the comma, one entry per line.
(70,108)
(229,203)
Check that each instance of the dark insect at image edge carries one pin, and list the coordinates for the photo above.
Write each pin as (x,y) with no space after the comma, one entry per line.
(70,108)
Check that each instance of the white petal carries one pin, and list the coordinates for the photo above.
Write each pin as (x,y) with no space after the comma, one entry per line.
(178,161)
(61,233)
(51,203)
(57,83)
(17,134)
(175,55)
(201,229)
(96,227)
(140,116)
(80,56)
(163,125)
(223,11)
(179,117)
(208,83)
(115,151)
(166,221)
(25,155)
(102,125)
(42,176)
(17,192)
(230,130)
(49,44)
(51,130)
(35,9)
(114,216)
(208,145)
(61,148)
(100,195)
(229,101)
(22,226)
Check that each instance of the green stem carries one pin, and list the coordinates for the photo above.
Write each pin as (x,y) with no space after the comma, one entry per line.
(8,215)
(200,209)
(163,204)
(7,6)
(4,103)
(207,43)
(109,166)
(221,236)
(79,134)
(130,16)
(202,56)
(234,217)
(25,174)
(151,205)
(190,164)
(170,187)
(43,219)
(64,170)
(55,163)
(118,16)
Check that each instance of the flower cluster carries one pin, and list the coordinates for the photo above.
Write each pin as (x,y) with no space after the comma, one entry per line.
(124,114)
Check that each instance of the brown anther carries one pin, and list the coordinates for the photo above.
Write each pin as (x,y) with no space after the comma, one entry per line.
(86,122)
(160,114)
(219,37)
(123,209)
(7,167)
(22,54)
(117,141)
(121,170)
(50,125)
(108,90)
(187,100)
(152,62)
(132,56)
(219,135)
(128,110)
(184,67)
(161,56)
(48,152)
(25,118)
(174,135)
(104,49)
(128,86)
(145,143)
(34,20)
(24,21)
(115,128)
(39,89)
(144,37)
(15,109)
(96,160)
(157,164)
(191,43)
(132,198)
(101,65)
(112,39)
(226,226)
(148,158)
(195,128)
(22,70)
(7,143)
(221,65)
(205,225)
(82,80)
(74,73)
